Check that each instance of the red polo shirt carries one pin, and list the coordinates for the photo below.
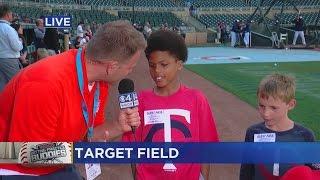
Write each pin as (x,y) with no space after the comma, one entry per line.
(43,103)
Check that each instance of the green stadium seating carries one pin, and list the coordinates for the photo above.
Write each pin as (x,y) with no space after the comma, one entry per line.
(155,18)
(148,3)
(219,3)
(286,3)
(88,16)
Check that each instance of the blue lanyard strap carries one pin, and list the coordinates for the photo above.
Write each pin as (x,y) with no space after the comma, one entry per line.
(84,106)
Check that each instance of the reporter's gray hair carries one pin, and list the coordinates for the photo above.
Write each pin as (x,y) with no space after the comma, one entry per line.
(38,21)
(116,40)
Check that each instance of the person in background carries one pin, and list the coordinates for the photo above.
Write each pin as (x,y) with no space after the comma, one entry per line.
(298,30)
(246,32)
(77,42)
(88,32)
(235,32)
(80,31)
(39,42)
(10,47)
(24,51)
(51,40)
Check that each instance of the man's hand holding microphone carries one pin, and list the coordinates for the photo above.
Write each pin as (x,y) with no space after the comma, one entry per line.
(128,118)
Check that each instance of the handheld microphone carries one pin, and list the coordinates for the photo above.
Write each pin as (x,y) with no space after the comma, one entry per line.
(127,96)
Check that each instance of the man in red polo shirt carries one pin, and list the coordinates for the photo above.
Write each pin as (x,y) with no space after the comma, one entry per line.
(62,97)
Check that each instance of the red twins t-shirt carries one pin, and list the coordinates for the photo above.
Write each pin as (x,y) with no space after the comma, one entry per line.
(43,103)
(191,120)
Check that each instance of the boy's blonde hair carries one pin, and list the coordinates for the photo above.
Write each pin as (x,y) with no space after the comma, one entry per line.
(117,40)
(277,86)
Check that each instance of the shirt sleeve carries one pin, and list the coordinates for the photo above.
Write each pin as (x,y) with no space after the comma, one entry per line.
(249,136)
(3,128)
(309,136)
(208,130)
(14,40)
(6,104)
(36,111)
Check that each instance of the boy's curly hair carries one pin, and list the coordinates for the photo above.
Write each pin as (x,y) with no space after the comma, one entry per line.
(164,40)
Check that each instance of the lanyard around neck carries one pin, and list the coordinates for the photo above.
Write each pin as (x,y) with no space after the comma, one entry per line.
(84,106)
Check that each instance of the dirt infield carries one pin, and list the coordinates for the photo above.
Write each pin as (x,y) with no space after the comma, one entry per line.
(232,115)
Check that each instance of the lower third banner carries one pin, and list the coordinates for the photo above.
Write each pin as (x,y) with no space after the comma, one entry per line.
(223,152)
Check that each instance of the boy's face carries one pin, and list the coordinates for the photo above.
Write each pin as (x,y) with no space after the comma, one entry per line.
(164,68)
(274,110)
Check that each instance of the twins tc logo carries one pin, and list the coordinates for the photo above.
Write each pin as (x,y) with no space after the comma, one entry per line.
(160,119)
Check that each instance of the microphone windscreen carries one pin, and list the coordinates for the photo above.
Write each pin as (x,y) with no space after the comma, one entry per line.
(127,96)
(125,86)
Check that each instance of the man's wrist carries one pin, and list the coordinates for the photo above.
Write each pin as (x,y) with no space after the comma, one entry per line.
(115,131)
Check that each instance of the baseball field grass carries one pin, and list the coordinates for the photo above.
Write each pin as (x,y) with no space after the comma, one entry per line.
(242,80)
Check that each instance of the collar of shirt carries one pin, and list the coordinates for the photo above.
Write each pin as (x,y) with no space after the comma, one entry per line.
(4,21)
